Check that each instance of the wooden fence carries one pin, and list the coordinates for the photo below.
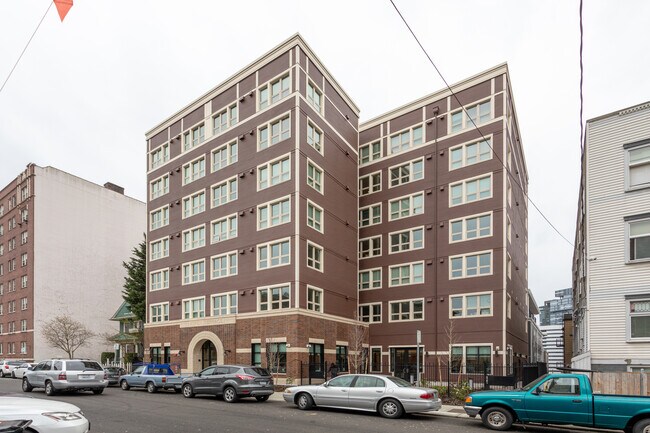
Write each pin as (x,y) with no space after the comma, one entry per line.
(620,383)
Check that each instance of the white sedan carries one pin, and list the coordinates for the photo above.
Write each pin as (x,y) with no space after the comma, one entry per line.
(20,371)
(46,415)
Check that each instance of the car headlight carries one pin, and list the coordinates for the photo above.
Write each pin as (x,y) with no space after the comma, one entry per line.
(468,399)
(287,391)
(62,416)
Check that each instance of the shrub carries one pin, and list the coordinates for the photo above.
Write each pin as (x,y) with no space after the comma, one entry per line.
(107,357)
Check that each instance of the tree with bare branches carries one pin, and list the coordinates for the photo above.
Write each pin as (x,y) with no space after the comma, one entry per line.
(357,350)
(65,333)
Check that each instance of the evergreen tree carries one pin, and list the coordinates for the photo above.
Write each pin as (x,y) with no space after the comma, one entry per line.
(135,282)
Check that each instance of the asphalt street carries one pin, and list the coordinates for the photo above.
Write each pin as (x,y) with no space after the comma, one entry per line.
(136,411)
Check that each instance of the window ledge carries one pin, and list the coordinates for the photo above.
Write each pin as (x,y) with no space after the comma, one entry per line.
(634,262)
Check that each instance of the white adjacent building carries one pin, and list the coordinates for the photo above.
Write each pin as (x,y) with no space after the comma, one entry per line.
(611,266)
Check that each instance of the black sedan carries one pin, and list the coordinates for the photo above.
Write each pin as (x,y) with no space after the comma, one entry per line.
(230,381)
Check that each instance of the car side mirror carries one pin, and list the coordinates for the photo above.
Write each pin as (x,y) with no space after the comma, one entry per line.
(326,384)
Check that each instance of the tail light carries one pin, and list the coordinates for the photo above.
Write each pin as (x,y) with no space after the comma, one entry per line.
(427,396)
(7,366)
(105,376)
(164,379)
(63,376)
(244,377)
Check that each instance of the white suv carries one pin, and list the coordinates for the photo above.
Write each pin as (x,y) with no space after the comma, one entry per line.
(66,375)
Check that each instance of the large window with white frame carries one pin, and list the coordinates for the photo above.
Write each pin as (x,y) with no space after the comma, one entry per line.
(315,176)
(370,247)
(407,172)
(159,249)
(472,227)
(224,228)
(314,216)
(471,359)
(194,308)
(274,254)
(638,238)
(369,152)
(194,170)
(315,256)
(193,137)
(638,319)
(159,156)
(274,91)
(406,140)
(194,272)
(159,280)
(194,238)
(370,313)
(274,213)
(194,204)
(370,279)
(224,119)
(159,218)
(159,312)
(470,153)
(638,165)
(406,274)
(470,190)
(274,298)
(370,183)
(314,97)
(315,137)
(470,265)
(224,192)
(406,240)
(225,155)
(471,305)
(370,215)
(274,173)
(478,113)
(315,299)
(224,265)
(159,187)
(407,206)
(406,310)
(274,132)
(224,304)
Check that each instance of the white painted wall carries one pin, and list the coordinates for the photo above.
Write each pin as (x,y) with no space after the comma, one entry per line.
(82,234)
(553,343)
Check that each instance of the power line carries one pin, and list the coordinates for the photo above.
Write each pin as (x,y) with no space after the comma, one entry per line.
(25,49)
(516,181)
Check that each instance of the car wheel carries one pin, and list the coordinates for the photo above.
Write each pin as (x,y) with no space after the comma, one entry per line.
(229,395)
(151,387)
(49,388)
(497,418)
(390,408)
(98,391)
(188,392)
(125,385)
(13,374)
(27,387)
(642,426)
(304,401)
(261,397)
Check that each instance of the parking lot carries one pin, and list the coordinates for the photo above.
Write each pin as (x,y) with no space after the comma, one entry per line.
(135,411)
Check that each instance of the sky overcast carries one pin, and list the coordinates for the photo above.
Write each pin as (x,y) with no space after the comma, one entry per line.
(87,89)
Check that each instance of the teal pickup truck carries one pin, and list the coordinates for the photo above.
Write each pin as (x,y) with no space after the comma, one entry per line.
(560,399)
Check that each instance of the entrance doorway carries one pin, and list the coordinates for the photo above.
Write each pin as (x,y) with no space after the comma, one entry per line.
(404,362)
(208,354)
(316,361)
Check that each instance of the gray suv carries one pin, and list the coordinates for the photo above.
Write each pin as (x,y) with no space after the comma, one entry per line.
(231,382)
(66,375)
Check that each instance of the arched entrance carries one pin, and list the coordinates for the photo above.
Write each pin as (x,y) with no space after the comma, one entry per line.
(204,349)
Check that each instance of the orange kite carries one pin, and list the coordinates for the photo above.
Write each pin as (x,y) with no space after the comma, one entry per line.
(62,7)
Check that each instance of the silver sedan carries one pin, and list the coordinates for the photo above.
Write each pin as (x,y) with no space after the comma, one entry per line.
(390,396)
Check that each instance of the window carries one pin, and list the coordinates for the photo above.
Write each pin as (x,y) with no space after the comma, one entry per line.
(478,113)
(314,299)
(314,216)
(342,358)
(159,218)
(23,304)
(405,173)
(194,170)
(274,213)
(406,139)
(407,240)
(375,359)
(638,161)
(159,156)
(509,266)
(508,229)
(370,247)
(224,119)
(224,265)
(23,259)
(315,137)
(370,215)
(225,304)
(314,97)
(273,173)
(471,153)
(276,357)
(160,187)
(370,279)
(471,265)
(23,325)
(370,313)
(224,228)
(224,192)
(472,305)
(24,214)
(471,190)
(508,192)
(410,273)
(194,308)
(224,155)
(406,206)
(476,359)
(159,280)
(277,89)
(12,265)
(23,347)
(314,256)
(2,230)
(638,239)
(561,385)
(369,183)
(470,228)
(159,249)
(256,354)
(406,310)
(278,130)
(194,137)
(23,282)
(194,204)
(314,176)
(159,313)
(23,238)
(369,152)
(273,254)
(194,238)
(509,307)
(194,272)
(639,319)
(273,298)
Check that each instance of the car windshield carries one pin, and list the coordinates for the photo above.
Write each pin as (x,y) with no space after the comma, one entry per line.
(257,371)
(534,383)
(83,365)
(399,382)
(14,362)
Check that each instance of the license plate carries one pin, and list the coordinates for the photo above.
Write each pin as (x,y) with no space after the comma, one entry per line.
(263,383)
(86,376)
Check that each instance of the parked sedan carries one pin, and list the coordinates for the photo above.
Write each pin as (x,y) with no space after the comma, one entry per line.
(19,372)
(390,396)
(46,415)
(113,374)
(7,366)
(230,381)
